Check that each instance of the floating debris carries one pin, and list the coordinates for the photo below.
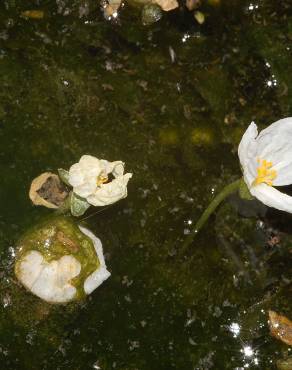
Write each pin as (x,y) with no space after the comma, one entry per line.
(166,5)
(33,14)
(47,190)
(193,4)
(60,262)
(280,327)
(199,17)
(110,8)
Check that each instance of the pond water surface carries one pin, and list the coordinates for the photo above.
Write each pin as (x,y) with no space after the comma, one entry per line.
(172,100)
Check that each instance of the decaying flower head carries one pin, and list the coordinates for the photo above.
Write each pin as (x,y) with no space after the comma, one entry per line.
(60,262)
(47,190)
(98,181)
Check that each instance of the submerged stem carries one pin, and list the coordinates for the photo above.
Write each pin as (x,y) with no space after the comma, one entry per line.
(227,190)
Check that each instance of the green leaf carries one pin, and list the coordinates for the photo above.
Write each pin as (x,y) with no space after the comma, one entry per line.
(65,207)
(244,192)
(78,205)
(64,176)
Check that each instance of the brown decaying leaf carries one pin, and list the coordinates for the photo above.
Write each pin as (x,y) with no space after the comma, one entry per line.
(67,242)
(47,190)
(33,14)
(280,327)
(193,4)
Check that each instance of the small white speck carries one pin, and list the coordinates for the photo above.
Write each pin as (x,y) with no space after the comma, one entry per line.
(235,329)
(247,351)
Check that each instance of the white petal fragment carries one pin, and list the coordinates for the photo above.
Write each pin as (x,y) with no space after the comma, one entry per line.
(49,280)
(272,197)
(30,268)
(246,148)
(110,193)
(101,274)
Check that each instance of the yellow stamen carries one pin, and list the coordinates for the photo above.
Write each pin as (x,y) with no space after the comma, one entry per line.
(265,173)
(101,179)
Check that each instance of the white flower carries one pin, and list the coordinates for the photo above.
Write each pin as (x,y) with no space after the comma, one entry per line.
(52,281)
(266,161)
(90,180)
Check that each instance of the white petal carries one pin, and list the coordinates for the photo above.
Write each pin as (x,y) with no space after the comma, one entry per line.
(247,145)
(63,295)
(110,193)
(272,197)
(116,168)
(89,161)
(283,125)
(49,280)
(86,189)
(87,167)
(46,281)
(29,268)
(275,139)
(76,175)
(68,268)
(284,169)
(101,274)
(275,145)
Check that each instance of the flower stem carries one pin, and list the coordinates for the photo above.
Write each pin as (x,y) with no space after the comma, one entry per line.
(227,190)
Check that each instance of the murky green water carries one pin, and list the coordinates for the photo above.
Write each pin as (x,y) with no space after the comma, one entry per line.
(171,100)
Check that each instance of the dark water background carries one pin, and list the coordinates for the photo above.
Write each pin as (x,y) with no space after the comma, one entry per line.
(172,100)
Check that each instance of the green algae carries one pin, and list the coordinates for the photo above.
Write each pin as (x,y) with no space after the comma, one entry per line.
(55,238)
(74,84)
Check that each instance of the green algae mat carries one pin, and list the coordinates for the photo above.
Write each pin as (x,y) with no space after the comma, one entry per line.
(172,100)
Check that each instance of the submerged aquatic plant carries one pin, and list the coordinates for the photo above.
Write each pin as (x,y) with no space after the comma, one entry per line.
(265,159)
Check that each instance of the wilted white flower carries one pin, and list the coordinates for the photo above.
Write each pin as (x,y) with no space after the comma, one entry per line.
(52,280)
(90,178)
(266,161)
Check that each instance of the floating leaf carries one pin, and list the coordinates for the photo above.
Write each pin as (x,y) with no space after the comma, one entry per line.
(280,327)
(64,176)
(78,205)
